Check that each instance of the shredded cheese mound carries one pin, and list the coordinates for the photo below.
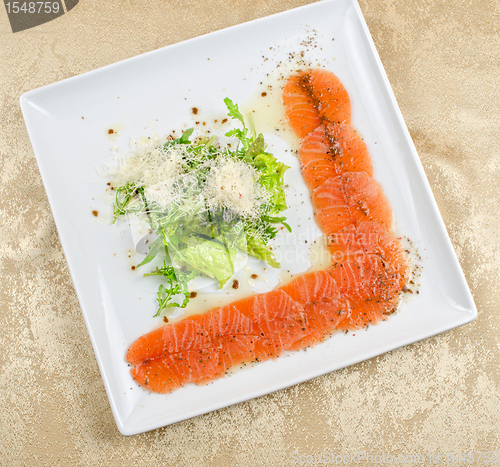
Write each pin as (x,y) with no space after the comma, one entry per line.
(228,184)
(231,184)
(151,167)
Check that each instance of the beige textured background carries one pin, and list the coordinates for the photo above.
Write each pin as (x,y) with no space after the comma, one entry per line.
(443,61)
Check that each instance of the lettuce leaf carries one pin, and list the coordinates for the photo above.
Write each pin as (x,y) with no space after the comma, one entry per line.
(257,247)
(272,180)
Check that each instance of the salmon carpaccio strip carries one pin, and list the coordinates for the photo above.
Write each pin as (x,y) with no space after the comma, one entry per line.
(314,97)
(331,150)
(362,286)
(349,199)
(203,347)
(369,264)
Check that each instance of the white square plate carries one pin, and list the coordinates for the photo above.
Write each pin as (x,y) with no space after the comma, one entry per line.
(162,87)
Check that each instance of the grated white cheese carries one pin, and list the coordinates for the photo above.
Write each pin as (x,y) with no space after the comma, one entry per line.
(230,184)
(152,167)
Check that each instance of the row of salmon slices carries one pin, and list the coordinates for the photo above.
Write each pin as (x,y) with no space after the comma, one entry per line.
(363,286)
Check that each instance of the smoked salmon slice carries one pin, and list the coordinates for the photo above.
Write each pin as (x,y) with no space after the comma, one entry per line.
(331,150)
(370,267)
(324,305)
(348,199)
(311,287)
(314,97)
(368,311)
(373,288)
(369,238)
(323,319)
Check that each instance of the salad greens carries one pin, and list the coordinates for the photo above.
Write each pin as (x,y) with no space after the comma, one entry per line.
(194,237)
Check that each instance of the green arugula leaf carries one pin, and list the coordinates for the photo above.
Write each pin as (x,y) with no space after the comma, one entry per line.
(184,139)
(245,142)
(165,294)
(256,148)
(234,112)
(154,249)
(277,220)
(123,195)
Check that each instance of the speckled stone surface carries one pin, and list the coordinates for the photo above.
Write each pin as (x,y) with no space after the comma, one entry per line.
(440,395)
